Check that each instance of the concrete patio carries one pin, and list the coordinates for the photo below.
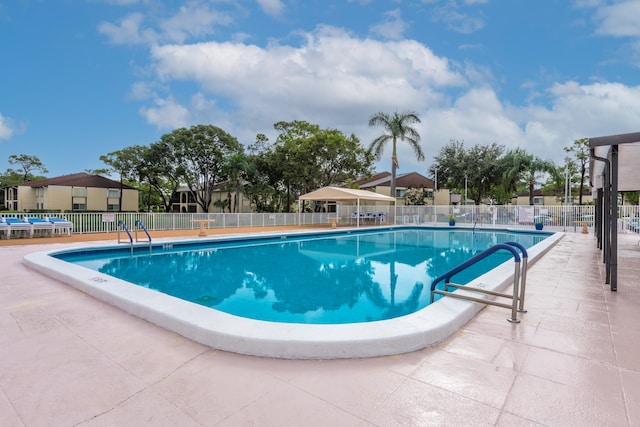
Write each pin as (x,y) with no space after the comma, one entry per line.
(67,359)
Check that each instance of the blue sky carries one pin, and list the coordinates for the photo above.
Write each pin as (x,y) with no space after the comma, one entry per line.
(83,78)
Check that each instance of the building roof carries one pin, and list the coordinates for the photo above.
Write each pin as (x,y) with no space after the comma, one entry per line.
(78,180)
(375,177)
(336,193)
(410,179)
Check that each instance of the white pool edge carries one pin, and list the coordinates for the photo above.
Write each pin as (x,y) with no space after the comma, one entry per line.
(223,331)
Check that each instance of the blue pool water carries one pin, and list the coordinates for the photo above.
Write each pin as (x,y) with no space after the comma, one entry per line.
(313,279)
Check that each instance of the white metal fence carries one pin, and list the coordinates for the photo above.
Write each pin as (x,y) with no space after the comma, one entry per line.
(563,218)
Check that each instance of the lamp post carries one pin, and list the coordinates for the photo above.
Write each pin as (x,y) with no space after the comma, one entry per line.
(435,191)
(465,190)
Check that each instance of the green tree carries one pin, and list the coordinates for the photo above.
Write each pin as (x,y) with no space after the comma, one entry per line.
(264,178)
(483,170)
(519,167)
(99,171)
(450,165)
(397,127)
(126,162)
(235,168)
(535,171)
(581,153)
(307,158)
(27,165)
(568,173)
(200,154)
(477,169)
(162,171)
(514,162)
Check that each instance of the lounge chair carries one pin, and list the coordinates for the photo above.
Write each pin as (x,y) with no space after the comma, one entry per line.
(19,226)
(61,225)
(41,225)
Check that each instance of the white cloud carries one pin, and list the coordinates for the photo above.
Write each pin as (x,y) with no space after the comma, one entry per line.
(142,91)
(332,79)
(192,20)
(9,128)
(392,28)
(167,114)
(330,72)
(337,80)
(5,129)
(619,19)
(128,31)
(459,19)
(271,7)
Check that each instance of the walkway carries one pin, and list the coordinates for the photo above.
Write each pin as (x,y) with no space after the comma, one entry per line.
(67,359)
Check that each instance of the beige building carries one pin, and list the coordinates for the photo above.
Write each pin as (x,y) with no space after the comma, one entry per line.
(381,184)
(72,193)
(222,200)
(554,200)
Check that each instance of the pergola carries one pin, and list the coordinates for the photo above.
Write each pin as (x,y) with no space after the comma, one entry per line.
(613,167)
(337,194)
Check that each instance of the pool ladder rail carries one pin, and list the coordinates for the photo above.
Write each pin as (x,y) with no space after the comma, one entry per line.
(519,281)
(139,225)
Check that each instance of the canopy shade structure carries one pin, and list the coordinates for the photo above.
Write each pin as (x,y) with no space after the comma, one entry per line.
(345,194)
(337,193)
(613,167)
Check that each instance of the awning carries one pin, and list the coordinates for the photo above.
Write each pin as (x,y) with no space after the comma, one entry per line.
(345,194)
(337,193)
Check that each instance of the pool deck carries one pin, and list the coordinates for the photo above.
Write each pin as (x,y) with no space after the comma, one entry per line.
(69,359)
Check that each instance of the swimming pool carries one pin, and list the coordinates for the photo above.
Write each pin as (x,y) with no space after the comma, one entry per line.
(386,273)
(332,279)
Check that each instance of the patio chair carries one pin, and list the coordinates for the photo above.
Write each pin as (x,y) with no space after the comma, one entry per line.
(19,226)
(60,226)
(41,225)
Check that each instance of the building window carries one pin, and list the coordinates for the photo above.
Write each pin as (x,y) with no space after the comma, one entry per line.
(538,200)
(113,207)
(79,192)
(400,192)
(79,207)
(113,194)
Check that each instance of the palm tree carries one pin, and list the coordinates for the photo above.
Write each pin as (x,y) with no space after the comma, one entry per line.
(532,171)
(523,167)
(397,127)
(235,166)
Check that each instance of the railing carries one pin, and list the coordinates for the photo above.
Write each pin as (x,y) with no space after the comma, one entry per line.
(139,224)
(519,281)
(122,224)
(562,218)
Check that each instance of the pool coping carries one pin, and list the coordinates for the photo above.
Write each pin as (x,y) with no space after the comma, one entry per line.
(223,331)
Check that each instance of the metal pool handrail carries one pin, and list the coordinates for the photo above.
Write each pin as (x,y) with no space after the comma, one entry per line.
(515,296)
(139,223)
(523,274)
(124,226)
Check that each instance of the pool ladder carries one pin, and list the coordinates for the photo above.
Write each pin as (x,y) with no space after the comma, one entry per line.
(519,281)
(137,224)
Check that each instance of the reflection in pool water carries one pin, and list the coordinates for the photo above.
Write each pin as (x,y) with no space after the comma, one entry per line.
(344,278)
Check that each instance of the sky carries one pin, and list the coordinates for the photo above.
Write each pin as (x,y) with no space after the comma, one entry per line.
(83,78)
